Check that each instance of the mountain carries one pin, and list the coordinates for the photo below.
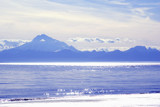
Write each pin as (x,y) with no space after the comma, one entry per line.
(45,43)
(138,53)
(45,49)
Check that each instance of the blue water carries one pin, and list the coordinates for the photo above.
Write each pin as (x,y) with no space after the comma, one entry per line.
(43,81)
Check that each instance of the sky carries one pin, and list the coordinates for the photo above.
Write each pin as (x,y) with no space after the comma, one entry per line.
(85,24)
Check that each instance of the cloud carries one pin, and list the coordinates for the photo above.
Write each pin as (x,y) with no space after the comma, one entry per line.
(141,11)
(100,40)
(102,44)
(119,2)
(150,4)
(63,19)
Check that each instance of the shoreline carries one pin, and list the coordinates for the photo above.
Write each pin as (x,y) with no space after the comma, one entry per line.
(116,100)
(84,63)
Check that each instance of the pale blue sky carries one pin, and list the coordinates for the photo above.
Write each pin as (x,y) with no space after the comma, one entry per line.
(135,20)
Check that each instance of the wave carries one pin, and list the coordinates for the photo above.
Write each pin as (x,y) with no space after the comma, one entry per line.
(75,94)
(119,100)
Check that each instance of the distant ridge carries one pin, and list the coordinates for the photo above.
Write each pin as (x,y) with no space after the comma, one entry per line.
(46,49)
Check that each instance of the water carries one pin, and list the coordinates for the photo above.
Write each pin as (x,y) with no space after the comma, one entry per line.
(45,80)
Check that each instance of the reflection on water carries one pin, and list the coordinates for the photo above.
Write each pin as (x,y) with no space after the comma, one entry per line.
(41,81)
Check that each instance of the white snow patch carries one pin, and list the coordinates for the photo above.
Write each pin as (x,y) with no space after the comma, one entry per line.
(42,40)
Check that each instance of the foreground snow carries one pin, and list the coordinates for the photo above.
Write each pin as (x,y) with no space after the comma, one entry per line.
(133,100)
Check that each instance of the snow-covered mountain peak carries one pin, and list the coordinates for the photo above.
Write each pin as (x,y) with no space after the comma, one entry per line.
(43,38)
(45,43)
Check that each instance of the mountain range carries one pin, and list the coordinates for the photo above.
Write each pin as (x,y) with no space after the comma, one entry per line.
(8,44)
(46,49)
